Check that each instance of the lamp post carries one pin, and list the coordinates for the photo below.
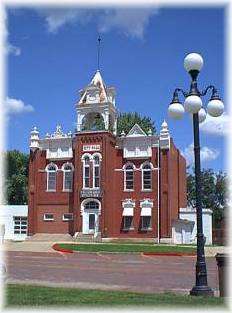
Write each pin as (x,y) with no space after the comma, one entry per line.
(193,63)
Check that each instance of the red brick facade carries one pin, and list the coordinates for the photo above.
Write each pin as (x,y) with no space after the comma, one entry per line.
(142,181)
(171,189)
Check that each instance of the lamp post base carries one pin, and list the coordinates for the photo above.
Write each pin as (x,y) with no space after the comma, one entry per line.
(204,291)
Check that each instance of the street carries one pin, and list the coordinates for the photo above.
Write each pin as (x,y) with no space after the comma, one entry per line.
(131,272)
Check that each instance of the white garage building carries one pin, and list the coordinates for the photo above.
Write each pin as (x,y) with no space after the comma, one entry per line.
(184,230)
(13,222)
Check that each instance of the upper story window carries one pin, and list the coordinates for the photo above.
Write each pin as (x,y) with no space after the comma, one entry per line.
(91,170)
(67,176)
(146,176)
(129,177)
(86,172)
(51,170)
(96,171)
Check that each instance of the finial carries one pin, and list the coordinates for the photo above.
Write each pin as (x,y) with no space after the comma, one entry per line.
(98,53)
(164,124)
(34,130)
(123,133)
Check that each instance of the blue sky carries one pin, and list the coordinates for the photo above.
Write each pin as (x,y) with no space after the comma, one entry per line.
(52,54)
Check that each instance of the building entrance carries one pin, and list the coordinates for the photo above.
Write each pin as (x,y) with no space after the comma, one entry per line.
(90,217)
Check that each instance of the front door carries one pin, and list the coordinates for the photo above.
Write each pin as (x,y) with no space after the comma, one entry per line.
(91,222)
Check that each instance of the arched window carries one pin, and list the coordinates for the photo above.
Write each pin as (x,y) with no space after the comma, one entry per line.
(92,205)
(146,177)
(67,177)
(86,172)
(96,171)
(129,177)
(51,177)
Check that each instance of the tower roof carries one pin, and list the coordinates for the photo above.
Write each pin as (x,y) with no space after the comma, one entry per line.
(97,85)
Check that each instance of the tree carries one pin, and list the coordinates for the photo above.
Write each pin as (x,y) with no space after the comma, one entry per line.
(127,120)
(16,177)
(214,192)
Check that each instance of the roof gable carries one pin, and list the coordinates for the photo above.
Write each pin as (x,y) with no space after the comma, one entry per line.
(98,83)
(136,131)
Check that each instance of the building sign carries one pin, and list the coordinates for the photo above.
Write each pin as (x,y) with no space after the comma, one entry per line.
(91,148)
(91,193)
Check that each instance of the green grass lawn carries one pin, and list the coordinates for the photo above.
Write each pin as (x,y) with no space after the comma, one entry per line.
(113,247)
(25,295)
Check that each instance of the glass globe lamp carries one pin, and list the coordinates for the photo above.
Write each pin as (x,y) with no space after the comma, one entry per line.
(192,104)
(176,110)
(193,62)
(215,107)
(201,115)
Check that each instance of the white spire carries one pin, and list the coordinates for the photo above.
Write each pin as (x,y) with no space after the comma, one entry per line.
(164,136)
(34,139)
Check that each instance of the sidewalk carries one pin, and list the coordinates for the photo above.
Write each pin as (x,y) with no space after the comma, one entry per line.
(28,246)
(46,246)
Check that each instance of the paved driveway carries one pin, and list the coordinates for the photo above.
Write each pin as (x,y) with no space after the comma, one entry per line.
(132,272)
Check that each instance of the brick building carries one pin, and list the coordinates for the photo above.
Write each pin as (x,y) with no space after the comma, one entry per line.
(97,183)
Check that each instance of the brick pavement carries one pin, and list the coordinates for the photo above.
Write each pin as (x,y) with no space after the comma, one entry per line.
(132,272)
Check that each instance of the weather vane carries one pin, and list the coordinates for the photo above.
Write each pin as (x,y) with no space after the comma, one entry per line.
(98,53)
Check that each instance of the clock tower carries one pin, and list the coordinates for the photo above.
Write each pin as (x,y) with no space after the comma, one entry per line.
(96,108)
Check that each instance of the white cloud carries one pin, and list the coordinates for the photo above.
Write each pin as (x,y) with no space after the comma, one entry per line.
(56,18)
(218,126)
(207,154)
(130,22)
(16,106)
(8,48)
(11,49)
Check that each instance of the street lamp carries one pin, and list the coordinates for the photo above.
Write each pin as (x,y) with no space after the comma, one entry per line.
(193,63)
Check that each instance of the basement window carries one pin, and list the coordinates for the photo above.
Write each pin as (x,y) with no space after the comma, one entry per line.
(67,217)
(48,217)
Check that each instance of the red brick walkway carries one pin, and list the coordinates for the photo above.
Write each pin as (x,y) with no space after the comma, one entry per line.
(132,272)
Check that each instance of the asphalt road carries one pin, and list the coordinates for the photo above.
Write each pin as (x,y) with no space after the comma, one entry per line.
(132,272)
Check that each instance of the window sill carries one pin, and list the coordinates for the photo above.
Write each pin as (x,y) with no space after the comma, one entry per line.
(50,190)
(128,190)
(146,190)
(67,190)
(49,220)
(127,229)
(146,229)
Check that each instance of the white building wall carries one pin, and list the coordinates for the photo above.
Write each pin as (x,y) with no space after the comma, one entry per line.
(190,215)
(7,214)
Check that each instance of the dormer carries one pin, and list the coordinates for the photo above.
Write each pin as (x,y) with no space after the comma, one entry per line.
(137,144)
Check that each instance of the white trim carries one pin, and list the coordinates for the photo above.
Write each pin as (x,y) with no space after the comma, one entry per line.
(89,200)
(84,165)
(49,171)
(93,169)
(51,164)
(128,211)
(142,176)
(84,155)
(67,164)
(64,174)
(125,171)
(97,154)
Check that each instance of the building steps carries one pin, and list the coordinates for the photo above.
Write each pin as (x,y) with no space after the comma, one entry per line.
(79,237)
(50,237)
